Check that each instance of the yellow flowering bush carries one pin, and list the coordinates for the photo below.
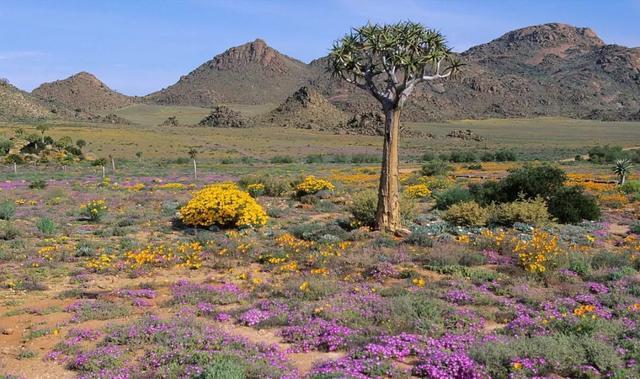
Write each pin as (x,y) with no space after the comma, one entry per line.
(101,263)
(223,205)
(311,185)
(94,210)
(188,255)
(418,191)
(536,254)
(255,189)
(171,186)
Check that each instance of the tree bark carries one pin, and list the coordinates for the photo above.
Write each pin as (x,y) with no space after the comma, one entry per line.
(388,212)
(195,170)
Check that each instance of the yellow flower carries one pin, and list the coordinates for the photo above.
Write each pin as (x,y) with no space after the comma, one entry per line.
(419,282)
(517,365)
(311,185)
(418,191)
(223,204)
(304,287)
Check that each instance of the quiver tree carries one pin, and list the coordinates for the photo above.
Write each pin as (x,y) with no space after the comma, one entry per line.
(622,169)
(389,61)
(193,153)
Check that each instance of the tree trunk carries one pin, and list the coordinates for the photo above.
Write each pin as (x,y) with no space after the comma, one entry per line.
(195,170)
(623,178)
(113,165)
(388,212)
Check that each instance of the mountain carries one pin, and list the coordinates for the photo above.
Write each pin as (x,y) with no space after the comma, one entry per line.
(543,70)
(17,105)
(83,91)
(253,73)
(306,109)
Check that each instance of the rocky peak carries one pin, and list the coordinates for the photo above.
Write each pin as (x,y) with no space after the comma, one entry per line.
(554,34)
(256,52)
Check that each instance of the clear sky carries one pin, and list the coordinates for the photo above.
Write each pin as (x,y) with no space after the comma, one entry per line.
(139,46)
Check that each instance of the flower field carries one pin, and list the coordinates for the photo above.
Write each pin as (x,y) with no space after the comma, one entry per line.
(265,275)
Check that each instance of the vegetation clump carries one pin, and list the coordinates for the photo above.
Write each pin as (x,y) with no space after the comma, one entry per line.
(223,205)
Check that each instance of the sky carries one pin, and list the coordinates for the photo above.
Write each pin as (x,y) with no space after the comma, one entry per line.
(140,46)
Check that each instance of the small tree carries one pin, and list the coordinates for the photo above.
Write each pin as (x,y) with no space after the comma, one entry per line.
(42,129)
(139,155)
(81,144)
(389,61)
(193,153)
(622,169)
(113,163)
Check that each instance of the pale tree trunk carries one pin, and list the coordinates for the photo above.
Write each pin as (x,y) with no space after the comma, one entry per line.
(113,165)
(623,178)
(195,170)
(388,212)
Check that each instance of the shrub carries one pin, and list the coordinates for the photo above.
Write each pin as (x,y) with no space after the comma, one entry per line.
(311,185)
(273,186)
(9,232)
(46,226)
(417,191)
(281,159)
(487,192)
(223,367)
(454,195)
(467,213)
(606,154)
(632,187)
(38,184)
(364,205)
(94,210)
(428,156)
(539,253)
(314,158)
(255,189)
(223,205)
(532,212)
(7,210)
(487,156)
(571,205)
(532,181)
(506,156)
(635,227)
(435,168)
(462,156)
(5,146)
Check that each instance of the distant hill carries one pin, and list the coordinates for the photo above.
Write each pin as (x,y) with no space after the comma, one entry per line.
(253,73)
(17,105)
(306,109)
(544,70)
(83,91)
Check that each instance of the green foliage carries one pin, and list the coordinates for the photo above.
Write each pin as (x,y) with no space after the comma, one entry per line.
(606,154)
(7,210)
(454,195)
(463,156)
(632,187)
(571,205)
(532,212)
(46,226)
(622,169)
(282,159)
(8,231)
(38,184)
(532,181)
(435,168)
(364,204)
(506,156)
(223,367)
(467,213)
(5,146)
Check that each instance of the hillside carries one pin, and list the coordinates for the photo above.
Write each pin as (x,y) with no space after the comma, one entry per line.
(17,105)
(83,91)
(253,73)
(306,109)
(544,70)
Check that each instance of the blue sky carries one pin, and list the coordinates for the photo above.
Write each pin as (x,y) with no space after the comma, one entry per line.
(139,46)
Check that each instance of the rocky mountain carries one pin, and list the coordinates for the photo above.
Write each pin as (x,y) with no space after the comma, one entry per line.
(544,70)
(306,109)
(224,117)
(83,91)
(253,73)
(17,105)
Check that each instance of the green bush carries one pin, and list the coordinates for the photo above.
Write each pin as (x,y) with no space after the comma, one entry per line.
(428,157)
(606,154)
(314,158)
(532,212)
(46,226)
(435,168)
(487,193)
(9,232)
(467,213)
(7,210)
(454,195)
(462,156)
(38,184)
(364,205)
(488,157)
(506,156)
(5,146)
(282,159)
(223,367)
(631,187)
(570,205)
(532,181)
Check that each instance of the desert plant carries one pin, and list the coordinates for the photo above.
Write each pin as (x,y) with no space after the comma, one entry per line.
(222,205)
(468,213)
(622,169)
(94,210)
(532,212)
(375,54)
(454,195)
(571,205)
(46,226)
(193,154)
(311,185)
(364,204)
(631,187)
(435,168)
(5,146)
(7,210)
(532,181)
(38,184)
